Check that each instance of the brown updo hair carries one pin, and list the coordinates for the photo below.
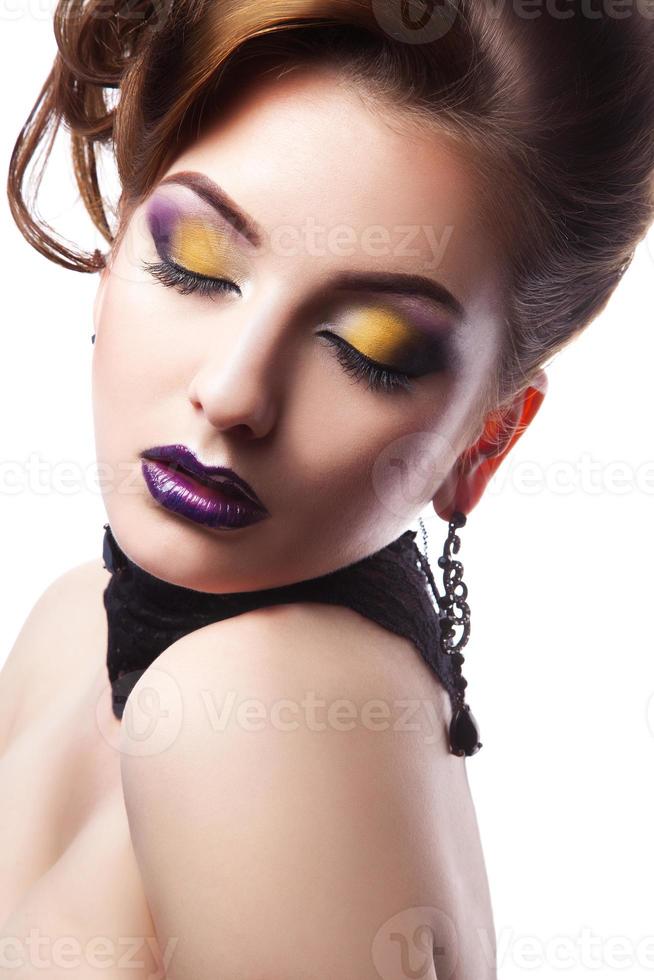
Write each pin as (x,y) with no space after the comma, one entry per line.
(554,109)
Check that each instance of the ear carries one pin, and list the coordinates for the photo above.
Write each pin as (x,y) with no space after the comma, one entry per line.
(463,487)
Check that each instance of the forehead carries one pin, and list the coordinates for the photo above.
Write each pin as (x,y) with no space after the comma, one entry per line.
(307,151)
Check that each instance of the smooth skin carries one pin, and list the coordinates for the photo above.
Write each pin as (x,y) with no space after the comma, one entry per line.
(274,849)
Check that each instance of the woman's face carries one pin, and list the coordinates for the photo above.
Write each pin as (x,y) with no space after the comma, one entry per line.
(260,374)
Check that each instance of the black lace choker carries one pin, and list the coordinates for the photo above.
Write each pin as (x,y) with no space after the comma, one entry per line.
(146,614)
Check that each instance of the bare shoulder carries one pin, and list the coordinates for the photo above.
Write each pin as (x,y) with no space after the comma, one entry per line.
(73,590)
(314,667)
(316,658)
(319,789)
(56,633)
(300,644)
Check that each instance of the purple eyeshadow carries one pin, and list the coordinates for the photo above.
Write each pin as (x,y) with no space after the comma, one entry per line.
(162,218)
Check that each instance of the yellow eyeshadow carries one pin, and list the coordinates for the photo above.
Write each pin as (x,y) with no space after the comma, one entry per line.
(379,334)
(199,247)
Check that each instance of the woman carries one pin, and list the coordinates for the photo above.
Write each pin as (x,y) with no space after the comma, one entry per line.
(349,238)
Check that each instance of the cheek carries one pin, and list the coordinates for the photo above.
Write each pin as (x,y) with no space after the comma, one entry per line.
(132,376)
(346,443)
(135,350)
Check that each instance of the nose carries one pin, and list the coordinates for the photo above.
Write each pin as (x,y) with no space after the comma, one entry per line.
(239,386)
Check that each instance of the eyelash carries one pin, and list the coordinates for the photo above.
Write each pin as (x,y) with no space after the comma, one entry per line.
(185,282)
(379,376)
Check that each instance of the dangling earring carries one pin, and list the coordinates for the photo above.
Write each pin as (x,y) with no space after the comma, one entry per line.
(464,732)
(93,339)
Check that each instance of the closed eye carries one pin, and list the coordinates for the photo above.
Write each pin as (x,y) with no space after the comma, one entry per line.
(380,377)
(185,282)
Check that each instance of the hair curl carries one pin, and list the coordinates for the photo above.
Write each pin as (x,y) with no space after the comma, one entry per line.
(555,113)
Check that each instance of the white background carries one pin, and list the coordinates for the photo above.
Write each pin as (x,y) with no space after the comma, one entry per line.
(557,558)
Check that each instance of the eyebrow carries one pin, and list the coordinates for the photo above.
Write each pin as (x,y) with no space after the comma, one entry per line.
(220,201)
(402,283)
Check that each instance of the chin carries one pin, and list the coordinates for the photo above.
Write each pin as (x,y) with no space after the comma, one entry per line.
(192,555)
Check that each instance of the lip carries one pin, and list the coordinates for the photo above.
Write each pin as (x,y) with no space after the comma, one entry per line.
(222,476)
(214,496)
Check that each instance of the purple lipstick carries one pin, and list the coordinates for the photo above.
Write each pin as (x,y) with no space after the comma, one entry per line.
(211,495)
